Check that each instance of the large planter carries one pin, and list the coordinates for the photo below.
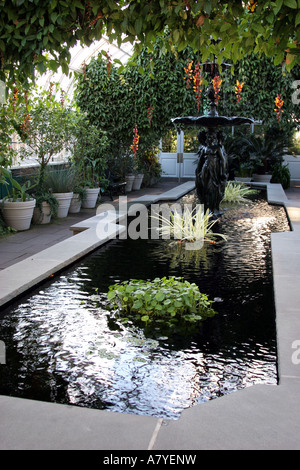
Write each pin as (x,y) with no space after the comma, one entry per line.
(75,205)
(64,201)
(91,198)
(261,178)
(129,179)
(18,214)
(42,215)
(243,179)
(137,182)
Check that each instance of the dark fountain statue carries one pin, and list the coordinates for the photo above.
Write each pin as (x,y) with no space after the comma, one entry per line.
(212,167)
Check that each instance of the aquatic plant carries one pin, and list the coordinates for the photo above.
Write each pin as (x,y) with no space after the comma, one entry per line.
(236,192)
(169,300)
(189,225)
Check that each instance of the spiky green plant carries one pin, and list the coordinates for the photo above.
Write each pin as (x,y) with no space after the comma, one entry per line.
(189,226)
(236,192)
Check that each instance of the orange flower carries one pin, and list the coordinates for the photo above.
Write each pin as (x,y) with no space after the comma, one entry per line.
(278,105)
(252,6)
(135,143)
(238,90)
(188,71)
(217,87)
(198,85)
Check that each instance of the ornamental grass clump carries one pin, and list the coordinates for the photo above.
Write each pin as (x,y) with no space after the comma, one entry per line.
(189,226)
(172,301)
(236,192)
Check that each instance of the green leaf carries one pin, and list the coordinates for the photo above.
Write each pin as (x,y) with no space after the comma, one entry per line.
(297,19)
(291,3)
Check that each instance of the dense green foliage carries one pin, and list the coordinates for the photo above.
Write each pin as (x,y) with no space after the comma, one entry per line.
(169,301)
(120,99)
(35,34)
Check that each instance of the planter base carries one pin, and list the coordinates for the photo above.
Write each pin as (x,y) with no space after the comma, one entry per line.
(91,198)
(75,205)
(262,178)
(18,215)
(42,216)
(64,201)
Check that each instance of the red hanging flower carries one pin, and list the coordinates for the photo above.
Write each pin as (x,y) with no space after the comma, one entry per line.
(108,62)
(278,105)
(188,73)
(198,85)
(135,143)
(238,90)
(217,87)
(15,99)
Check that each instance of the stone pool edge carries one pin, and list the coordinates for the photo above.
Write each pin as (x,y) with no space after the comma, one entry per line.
(258,417)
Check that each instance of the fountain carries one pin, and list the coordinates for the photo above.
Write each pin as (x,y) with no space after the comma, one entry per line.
(212,167)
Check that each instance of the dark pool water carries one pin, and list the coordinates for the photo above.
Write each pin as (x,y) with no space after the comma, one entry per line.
(62,346)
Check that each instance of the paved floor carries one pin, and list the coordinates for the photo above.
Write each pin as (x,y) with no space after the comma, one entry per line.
(15,247)
(258,417)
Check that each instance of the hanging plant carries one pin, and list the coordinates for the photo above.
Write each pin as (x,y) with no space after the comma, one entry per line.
(238,91)
(198,85)
(278,105)
(62,98)
(15,99)
(108,62)
(135,143)
(188,73)
(150,114)
(217,87)
(50,92)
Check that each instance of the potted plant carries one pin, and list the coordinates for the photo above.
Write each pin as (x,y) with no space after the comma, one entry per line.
(91,185)
(60,183)
(281,174)
(45,126)
(46,207)
(138,171)
(263,153)
(18,206)
(244,173)
(79,195)
(89,158)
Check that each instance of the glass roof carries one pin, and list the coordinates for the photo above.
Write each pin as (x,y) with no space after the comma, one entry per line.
(81,55)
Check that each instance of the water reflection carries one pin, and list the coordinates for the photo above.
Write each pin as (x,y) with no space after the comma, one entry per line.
(63,346)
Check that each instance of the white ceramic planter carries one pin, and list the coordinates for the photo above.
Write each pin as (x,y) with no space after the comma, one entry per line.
(42,216)
(262,178)
(129,182)
(91,198)
(64,201)
(243,179)
(75,205)
(137,182)
(18,215)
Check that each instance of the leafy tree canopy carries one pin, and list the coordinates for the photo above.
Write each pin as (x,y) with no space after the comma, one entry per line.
(35,34)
